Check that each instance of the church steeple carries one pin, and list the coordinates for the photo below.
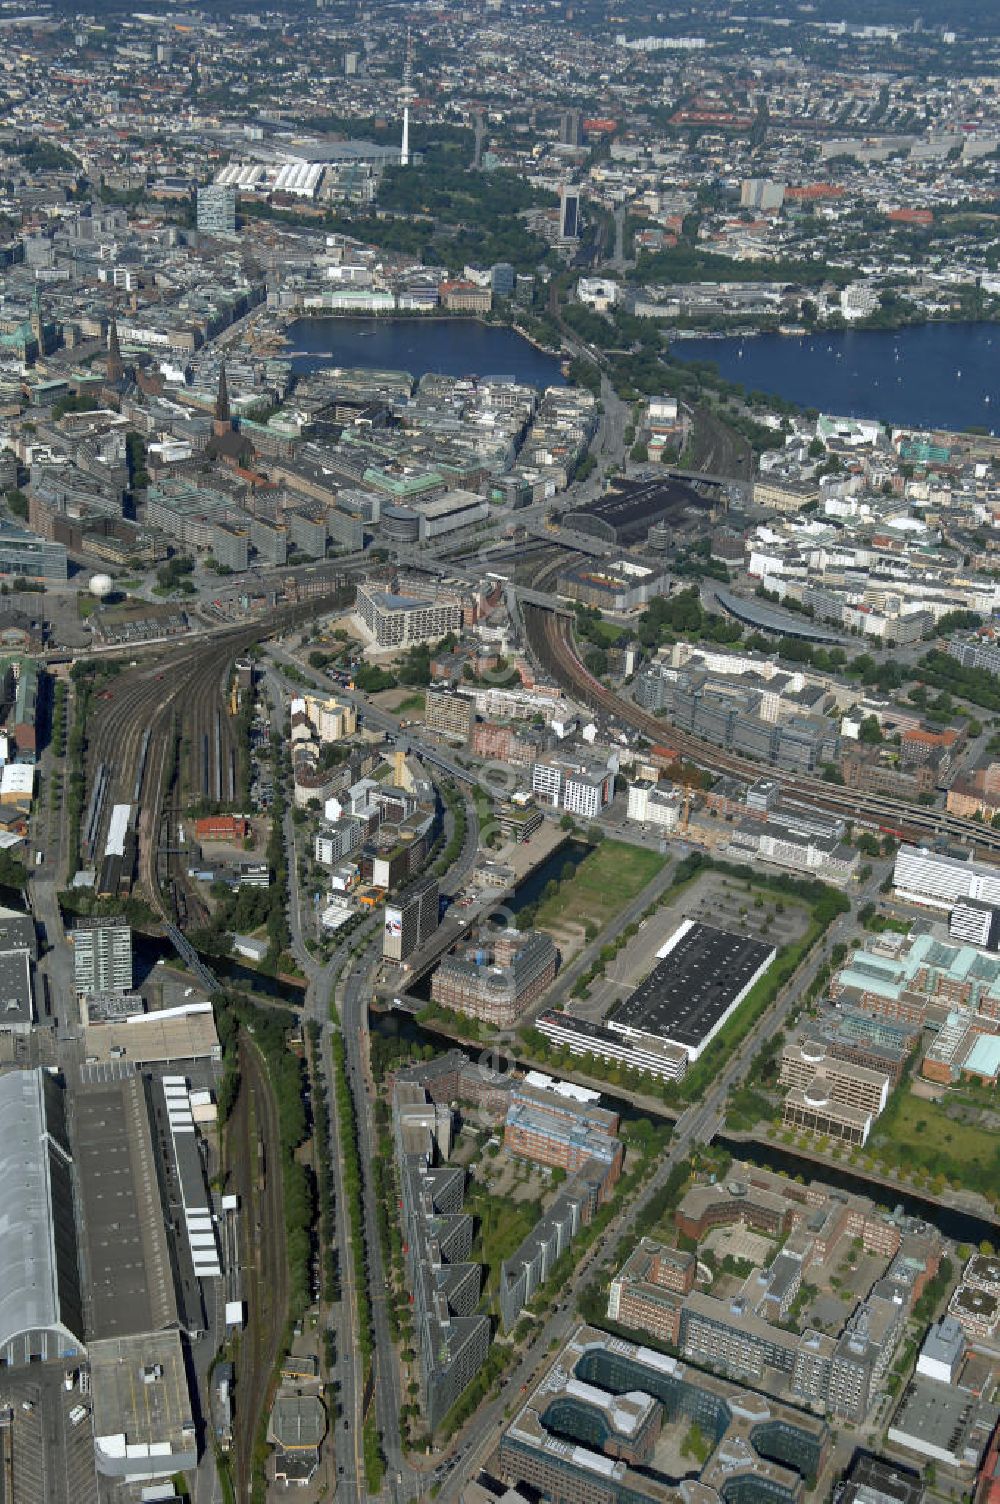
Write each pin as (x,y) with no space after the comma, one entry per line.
(115,367)
(37,322)
(222,413)
(223,417)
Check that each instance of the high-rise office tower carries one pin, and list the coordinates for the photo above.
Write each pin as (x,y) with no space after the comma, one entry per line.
(570,128)
(217,210)
(102,956)
(411,920)
(569,214)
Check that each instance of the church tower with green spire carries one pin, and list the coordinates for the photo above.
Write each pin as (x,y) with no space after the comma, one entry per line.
(37,321)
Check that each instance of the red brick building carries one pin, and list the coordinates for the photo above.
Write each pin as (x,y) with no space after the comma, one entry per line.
(222,828)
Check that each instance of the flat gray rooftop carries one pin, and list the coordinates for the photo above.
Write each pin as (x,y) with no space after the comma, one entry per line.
(17,931)
(298,1421)
(130,1286)
(943,1415)
(140,1390)
(16,1008)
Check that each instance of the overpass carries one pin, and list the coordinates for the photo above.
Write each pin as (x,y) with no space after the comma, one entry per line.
(425,560)
(542,598)
(584,543)
(464,571)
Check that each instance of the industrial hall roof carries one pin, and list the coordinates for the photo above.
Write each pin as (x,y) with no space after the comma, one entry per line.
(40,1301)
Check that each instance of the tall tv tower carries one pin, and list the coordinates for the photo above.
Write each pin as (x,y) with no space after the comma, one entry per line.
(407,95)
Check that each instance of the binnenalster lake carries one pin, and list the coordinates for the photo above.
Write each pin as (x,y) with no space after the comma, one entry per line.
(449,347)
(929,376)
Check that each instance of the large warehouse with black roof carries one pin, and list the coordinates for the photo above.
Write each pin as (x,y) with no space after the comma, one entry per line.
(701,976)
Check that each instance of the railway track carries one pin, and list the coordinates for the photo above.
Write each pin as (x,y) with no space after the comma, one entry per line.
(132,734)
(255,1168)
(550,639)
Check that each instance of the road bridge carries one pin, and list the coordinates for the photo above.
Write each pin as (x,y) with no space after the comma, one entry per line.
(542,598)
(584,543)
(424,560)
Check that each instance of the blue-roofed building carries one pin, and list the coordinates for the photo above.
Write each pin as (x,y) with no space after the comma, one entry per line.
(983,1058)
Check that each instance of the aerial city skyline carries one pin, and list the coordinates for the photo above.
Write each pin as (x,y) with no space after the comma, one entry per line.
(500,753)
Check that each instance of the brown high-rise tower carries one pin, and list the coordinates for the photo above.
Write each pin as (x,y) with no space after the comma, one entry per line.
(223,418)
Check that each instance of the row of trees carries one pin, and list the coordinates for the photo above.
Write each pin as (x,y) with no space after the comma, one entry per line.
(825,903)
(354,1208)
(449,856)
(324,1166)
(270,1031)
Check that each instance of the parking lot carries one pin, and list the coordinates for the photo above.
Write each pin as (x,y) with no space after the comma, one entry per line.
(52,1460)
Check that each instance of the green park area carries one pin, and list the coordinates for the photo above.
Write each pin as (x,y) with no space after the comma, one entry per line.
(507,1195)
(502,1224)
(924,1137)
(607,879)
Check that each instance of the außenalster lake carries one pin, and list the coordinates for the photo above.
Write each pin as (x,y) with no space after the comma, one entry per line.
(928,376)
(449,347)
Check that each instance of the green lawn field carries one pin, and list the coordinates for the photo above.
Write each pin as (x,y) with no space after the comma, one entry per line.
(605,881)
(919,1135)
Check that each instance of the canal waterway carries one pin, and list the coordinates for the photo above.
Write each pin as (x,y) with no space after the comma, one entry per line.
(528,891)
(940,375)
(960,1226)
(148,950)
(531,887)
(449,347)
